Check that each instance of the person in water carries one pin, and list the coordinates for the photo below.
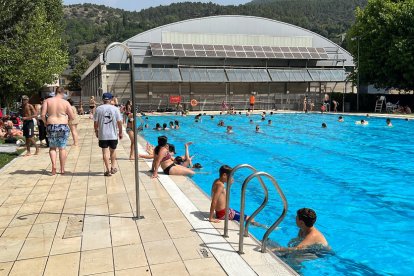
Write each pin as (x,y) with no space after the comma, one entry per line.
(308,234)
(388,122)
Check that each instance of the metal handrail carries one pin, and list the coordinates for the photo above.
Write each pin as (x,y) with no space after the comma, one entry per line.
(282,215)
(229,183)
(274,225)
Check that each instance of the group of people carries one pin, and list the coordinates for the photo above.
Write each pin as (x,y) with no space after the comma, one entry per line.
(308,234)
(171,125)
(360,122)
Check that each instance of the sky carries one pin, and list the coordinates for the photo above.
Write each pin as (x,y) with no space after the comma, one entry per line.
(138,5)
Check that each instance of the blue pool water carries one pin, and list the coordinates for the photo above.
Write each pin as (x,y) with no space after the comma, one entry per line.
(359,180)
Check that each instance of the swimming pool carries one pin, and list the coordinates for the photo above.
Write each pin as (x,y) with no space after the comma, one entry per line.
(357,178)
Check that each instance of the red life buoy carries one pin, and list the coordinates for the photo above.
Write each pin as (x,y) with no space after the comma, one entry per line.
(194,102)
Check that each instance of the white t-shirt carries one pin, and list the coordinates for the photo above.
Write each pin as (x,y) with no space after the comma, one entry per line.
(107,117)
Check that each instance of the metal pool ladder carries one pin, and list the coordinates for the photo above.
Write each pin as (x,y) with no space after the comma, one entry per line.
(245,228)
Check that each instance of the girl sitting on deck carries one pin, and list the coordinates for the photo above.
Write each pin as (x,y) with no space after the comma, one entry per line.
(162,157)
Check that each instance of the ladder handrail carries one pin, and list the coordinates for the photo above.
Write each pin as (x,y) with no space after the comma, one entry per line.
(274,225)
(281,217)
(229,183)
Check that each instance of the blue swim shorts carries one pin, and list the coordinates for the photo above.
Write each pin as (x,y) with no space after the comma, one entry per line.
(58,135)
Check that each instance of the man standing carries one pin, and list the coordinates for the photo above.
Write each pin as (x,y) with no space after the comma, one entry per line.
(108,126)
(59,112)
(28,114)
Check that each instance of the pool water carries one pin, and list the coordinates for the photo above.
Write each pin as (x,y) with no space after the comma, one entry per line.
(358,179)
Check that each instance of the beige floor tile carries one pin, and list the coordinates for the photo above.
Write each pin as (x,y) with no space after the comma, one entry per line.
(47,217)
(153,232)
(5,220)
(44,230)
(9,210)
(30,267)
(63,246)
(96,261)
(97,200)
(174,268)
(23,219)
(35,247)
(189,247)
(179,229)
(5,268)
(10,248)
(36,198)
(31,208)
(141,271)
(54,206)
(150,216)
(96,239)
(159,252)
(129,256)
(62,265)
(123,235)
(14,199)
(171,214)
(207,267)
(97,210)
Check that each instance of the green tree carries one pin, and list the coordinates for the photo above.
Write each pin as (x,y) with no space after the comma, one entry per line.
(384,32)
(75,77)
(31,53)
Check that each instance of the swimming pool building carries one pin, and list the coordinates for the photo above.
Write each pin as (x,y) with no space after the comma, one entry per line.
(223,58)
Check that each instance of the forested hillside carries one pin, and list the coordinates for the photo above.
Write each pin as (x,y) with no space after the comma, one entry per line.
(89,28)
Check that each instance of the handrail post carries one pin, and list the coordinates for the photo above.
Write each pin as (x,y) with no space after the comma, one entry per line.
(281,217)
(134,127)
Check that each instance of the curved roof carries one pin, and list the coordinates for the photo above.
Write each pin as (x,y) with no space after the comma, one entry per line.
(239,27)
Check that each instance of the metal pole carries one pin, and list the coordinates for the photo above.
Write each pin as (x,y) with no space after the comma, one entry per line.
(134,125)
(358,76)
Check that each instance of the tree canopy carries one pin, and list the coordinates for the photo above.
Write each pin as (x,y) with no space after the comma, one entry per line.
(31,48)
(384,31)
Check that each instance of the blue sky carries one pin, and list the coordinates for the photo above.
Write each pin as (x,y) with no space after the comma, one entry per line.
(138,5)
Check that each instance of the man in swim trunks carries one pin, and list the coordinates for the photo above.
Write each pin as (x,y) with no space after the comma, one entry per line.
(308,234)
(218,197)
(59,112)
(108,127)
(28,114)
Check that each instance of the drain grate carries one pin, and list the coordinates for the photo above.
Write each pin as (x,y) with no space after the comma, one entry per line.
(73,227)
(204,253)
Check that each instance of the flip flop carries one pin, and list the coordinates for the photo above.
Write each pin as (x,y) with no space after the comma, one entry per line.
(108,173)
(114,170)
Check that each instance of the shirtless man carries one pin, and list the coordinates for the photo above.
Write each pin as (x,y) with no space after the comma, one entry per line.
(28,114)
(308,234)
(58,112)
(218,197)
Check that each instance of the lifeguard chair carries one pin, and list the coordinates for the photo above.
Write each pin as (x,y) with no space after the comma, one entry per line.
(379,103)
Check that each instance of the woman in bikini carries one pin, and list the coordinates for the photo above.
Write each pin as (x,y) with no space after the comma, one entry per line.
(130,132)
(92,105)
(163,158)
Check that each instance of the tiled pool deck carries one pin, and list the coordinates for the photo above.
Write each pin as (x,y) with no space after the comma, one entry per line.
(81,223)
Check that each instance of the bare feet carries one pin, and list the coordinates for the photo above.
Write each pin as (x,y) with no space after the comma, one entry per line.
(131,158)
(27,154)
(62,171)
(37,151)
(53,171)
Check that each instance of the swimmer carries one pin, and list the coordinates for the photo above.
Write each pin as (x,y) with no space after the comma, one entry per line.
(177,124)
(157,127)
(229,129)
(221,123)
(185,160)
(171,124)
(340,119)
(164,127)
(257,128)
(251,121)
(324,125)
(308,234)
(388,121)
(362,122)
(269,122)
(212,117)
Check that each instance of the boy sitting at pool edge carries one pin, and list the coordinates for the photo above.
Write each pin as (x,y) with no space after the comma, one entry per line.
(218,197)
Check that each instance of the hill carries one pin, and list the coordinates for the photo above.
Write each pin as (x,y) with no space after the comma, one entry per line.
(89,27)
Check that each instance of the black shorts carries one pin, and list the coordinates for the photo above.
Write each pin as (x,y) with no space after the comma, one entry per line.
(108,143)
(28,128)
